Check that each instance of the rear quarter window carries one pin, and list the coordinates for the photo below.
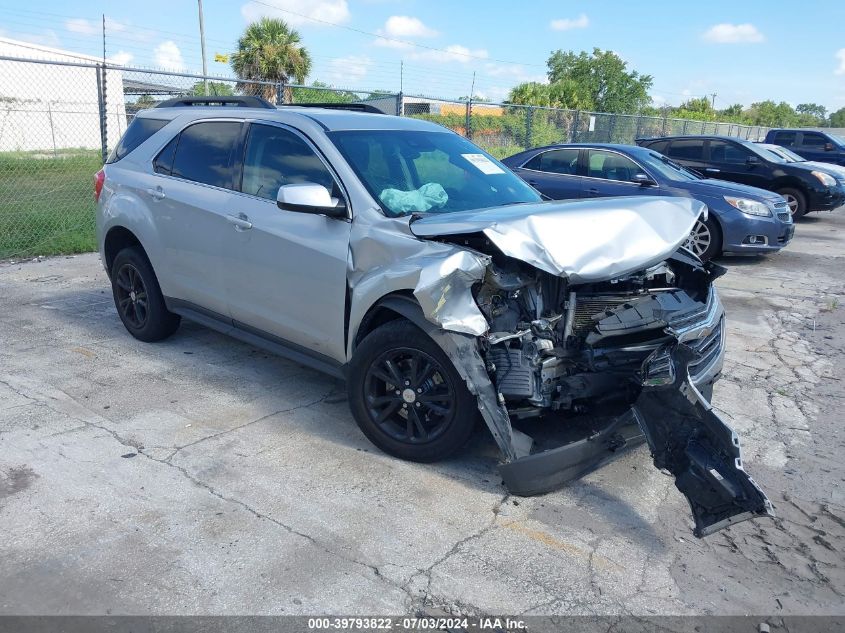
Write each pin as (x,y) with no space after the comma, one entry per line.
(688,149)
(138,131)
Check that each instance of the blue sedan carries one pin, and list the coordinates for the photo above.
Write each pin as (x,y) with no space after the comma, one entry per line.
(742,219)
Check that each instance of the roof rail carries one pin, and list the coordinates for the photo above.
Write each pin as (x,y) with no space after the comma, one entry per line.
(354,107)
(238,102)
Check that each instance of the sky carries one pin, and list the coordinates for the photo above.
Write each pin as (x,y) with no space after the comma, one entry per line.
(743,51)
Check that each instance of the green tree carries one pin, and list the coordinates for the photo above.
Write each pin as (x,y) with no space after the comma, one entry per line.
(813,111)
(562,94)
(215,88)
(837,119)
(602,78)
(269,50)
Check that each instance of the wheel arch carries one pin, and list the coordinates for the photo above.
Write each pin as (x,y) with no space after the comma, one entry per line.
(117,238)
(789,182)
(390,307)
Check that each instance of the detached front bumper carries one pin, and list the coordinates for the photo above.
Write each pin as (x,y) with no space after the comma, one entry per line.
(685,435)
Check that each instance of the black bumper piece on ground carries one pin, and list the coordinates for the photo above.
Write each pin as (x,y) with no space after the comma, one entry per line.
(686,438)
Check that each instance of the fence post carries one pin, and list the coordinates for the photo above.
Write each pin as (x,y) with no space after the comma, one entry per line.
(529,123)
(574,132)
(612,127)
(665,123)
(639,125)
(101,106)
(280,93)
(400,110)
(468,122)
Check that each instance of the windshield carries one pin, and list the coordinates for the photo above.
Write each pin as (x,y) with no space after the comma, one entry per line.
(667,168)
(766,154)
(787,154)
(837,139)
(434,172)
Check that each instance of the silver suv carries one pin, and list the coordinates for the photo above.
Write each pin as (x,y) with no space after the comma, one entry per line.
(397,255)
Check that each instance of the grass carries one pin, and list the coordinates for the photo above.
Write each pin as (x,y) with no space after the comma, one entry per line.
(47,203)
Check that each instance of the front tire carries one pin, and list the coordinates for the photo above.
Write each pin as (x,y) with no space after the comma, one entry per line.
(705,239)
(796,201)
(406,395)
(138,298)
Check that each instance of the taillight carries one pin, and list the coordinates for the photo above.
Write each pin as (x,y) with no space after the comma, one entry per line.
(99,179)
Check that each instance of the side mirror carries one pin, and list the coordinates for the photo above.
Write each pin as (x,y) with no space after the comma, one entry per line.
(828,147)
(309,197)
(643,180)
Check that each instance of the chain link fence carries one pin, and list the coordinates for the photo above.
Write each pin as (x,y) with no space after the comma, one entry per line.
(59,120)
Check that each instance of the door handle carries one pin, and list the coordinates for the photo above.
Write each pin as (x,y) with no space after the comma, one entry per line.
(593,191)
(533,183)
(712,170)
(157,193)
(240,221)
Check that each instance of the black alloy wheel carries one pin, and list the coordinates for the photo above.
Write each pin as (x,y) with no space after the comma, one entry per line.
(409,396)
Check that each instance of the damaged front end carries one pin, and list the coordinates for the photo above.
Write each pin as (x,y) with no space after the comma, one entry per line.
(647,344)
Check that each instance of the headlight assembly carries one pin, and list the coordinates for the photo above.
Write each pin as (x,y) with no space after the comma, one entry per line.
(826,179)
(749,207)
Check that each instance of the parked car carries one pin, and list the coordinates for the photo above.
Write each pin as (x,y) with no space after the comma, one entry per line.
(741,219)
(394,254)
(814,145)
(728,158)
(837,171)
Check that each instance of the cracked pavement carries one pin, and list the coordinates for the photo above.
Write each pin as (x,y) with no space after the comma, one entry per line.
(201,476)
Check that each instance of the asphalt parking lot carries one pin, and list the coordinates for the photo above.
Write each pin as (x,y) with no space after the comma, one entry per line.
(201,476)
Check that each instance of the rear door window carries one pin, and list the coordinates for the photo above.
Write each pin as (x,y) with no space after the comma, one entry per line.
(786,139)
(687,149)
(138,131)
(204,152)
(556,161)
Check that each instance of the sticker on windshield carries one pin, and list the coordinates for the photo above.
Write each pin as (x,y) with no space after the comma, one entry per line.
(484,164)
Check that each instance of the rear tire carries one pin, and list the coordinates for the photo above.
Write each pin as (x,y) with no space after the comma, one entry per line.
(407,397)
(796,200)
(705,239)
(138,298)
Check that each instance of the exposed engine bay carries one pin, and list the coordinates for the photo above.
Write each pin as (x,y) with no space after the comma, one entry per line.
(650,342)
(555,346)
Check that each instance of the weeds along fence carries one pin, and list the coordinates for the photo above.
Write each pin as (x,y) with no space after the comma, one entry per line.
(60,119)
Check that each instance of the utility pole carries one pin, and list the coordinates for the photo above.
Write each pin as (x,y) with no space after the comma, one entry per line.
(401,75)
(713,100)
(202,46)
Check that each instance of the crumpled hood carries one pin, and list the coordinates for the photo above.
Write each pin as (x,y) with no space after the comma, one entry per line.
(583,240)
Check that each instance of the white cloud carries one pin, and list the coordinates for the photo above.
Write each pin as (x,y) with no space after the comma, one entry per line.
(89,28)
(121,58)
(733,34)
(840,55)
(167,55)
(452,53)
(396,44)
(297,12)
(406,26)
(348,70)
(81,25)
(567,24)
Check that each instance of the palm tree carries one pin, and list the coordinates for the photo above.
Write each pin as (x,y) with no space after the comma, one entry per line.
(269,50)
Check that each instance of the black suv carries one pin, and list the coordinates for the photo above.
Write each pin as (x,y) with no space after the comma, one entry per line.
(728,158)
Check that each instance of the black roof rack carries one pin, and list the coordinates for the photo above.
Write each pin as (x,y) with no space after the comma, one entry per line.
(354,107)
(237,102)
